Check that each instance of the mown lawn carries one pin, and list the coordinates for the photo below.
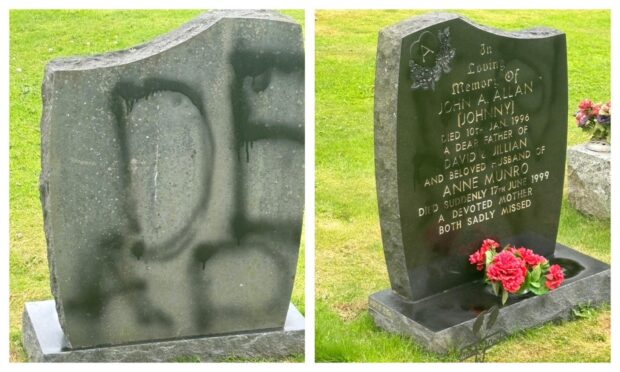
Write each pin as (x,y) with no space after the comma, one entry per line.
(35,38)
(349,257)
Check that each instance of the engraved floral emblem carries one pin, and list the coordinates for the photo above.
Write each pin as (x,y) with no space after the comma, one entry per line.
(430,57)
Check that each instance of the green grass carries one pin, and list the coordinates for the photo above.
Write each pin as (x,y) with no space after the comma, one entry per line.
(194,359)
(349,257)
(35,38)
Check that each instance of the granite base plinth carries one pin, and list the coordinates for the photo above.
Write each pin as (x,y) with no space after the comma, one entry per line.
(443,322)
(43,340)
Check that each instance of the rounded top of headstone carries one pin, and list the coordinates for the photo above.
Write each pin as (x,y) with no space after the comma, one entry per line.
(164,42)
(417,23)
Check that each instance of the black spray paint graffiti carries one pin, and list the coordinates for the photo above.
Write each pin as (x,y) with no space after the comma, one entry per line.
(124,96)
(257,66)
(113,276)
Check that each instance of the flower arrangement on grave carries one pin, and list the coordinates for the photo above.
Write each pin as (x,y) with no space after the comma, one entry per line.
(595,118)
(515,270)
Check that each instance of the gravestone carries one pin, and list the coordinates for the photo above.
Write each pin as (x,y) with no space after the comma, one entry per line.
(470,144)
(172,189)
(589,181)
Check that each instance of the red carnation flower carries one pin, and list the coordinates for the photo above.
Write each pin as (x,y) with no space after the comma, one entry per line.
(478,258)
(555,277)
(488,244)
(507,269)
(531,259)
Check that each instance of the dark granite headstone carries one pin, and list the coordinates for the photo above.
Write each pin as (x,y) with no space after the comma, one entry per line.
(470,144)
(172,182)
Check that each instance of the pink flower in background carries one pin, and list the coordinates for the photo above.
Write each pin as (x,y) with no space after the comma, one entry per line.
(586,105)
(604,114)
(605,109)
(581,118)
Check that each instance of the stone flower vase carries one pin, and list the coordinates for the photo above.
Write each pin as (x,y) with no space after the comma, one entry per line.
(599,141)
(599,145)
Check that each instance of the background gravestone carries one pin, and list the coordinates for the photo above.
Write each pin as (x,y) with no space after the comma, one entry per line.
(589,181)
(172,190)
(470,144)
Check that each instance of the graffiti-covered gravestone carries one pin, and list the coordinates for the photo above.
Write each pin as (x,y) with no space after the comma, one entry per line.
(172,189)
(470,144)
